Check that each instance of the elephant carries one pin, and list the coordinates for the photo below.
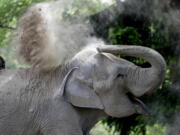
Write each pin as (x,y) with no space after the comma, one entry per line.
(71,98)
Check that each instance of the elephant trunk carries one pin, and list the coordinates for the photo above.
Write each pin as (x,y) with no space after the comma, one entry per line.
(141,80)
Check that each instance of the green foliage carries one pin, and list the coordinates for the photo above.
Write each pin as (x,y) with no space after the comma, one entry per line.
(127,35)
(156,130)
(84,8)
(101,129)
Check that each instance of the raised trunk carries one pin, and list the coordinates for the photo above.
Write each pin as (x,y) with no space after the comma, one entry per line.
(145,79)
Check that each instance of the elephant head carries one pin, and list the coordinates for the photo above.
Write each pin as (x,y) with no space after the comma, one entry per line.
(104,81)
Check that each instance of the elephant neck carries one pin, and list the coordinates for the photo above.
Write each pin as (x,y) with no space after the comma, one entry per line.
(89,117)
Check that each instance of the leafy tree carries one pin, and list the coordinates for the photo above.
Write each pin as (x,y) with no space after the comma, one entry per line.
(127,35)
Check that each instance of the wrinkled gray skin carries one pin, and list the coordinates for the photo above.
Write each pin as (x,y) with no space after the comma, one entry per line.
(70,99)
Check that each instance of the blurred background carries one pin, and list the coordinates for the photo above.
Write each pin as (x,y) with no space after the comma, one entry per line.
(151,23)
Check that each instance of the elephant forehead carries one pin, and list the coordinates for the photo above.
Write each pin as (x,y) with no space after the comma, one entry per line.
(105,66)
(104,70)
(91,62)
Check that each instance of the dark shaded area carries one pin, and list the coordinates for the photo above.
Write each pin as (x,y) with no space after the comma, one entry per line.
(175,4)
(2,63)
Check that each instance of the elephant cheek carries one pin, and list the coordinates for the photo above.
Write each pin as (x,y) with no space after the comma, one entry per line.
(119,108)
(119,112)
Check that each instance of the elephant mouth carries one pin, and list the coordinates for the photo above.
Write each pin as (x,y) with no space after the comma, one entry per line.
(140,107)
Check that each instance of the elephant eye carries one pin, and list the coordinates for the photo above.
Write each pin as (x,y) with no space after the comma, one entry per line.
(120,75)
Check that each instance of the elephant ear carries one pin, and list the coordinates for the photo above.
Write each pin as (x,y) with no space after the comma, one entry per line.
(80,93)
